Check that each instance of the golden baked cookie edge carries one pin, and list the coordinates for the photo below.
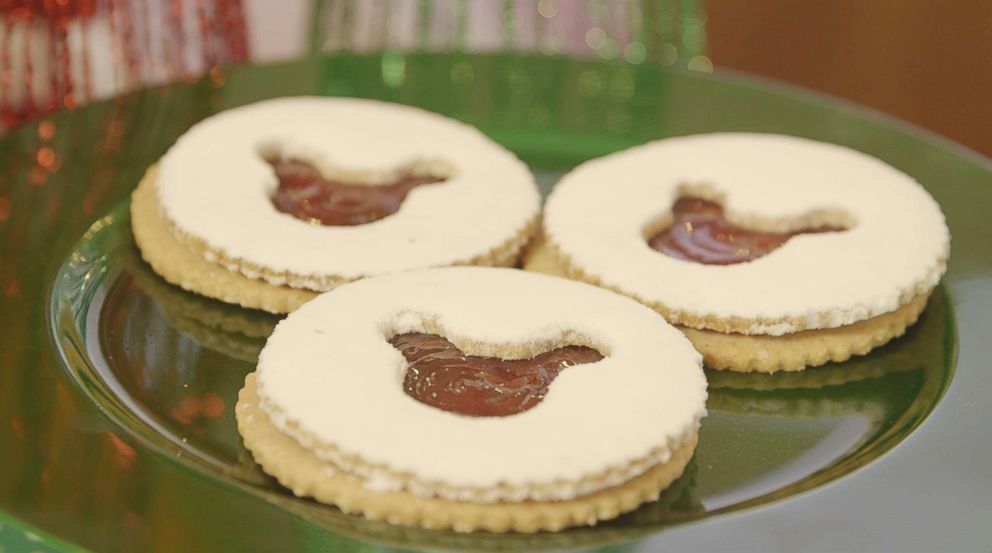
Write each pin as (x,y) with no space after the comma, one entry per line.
(305,474)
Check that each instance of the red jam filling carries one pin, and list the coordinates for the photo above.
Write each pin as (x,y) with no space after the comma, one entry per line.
(700,233)
(441,375)
(305,194)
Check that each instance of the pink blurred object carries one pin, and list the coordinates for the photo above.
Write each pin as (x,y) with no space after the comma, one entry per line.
(60,53)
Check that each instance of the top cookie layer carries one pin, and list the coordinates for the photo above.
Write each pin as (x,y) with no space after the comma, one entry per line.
(329,377)
(895,246)
(215,188)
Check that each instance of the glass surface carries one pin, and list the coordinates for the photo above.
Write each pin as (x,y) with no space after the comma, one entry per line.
(146,458)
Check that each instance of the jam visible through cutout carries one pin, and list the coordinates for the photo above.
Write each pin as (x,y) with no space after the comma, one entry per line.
(441,375)
(700,233)
(305,194)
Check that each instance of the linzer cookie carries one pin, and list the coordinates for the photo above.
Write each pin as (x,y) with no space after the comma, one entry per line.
(770,252)
(472,398)
(269,204)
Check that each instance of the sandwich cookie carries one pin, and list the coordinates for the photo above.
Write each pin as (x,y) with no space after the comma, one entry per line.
(268,204)
(475,399)
(770,252)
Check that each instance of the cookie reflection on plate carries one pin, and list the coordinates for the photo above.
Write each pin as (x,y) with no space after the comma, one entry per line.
(234,331)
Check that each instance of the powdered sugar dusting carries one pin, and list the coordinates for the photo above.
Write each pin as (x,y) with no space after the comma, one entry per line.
(895,248)
(215,187)
(343,386)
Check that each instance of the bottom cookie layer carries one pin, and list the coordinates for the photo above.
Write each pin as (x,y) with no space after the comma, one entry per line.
(307,475)
(789,352)
(809,348)
(187,268)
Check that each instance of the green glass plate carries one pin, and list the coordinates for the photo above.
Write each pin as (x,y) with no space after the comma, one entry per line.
(116,406)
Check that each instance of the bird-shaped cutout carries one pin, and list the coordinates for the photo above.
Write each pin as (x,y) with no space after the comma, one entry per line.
(700,233)
(442,376)
(305,194)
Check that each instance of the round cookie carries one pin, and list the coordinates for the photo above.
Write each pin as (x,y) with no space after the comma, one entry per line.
(852,247)
(332,414)
(267,204)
